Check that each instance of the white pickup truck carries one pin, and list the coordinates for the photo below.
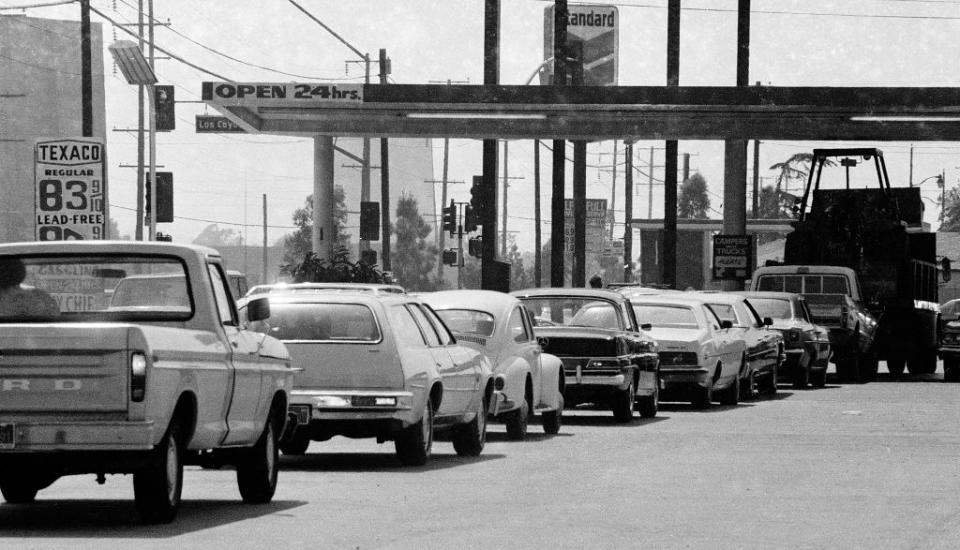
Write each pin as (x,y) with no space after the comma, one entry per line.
(130,358)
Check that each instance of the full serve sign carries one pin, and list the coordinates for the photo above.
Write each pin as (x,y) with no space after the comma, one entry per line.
(70,189)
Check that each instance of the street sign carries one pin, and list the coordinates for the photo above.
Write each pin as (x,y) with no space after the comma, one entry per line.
(732,257)
(209,124)
(70,189)
(597,27)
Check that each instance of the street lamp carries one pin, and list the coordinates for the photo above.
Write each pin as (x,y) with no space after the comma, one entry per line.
(137,70)
(941,183)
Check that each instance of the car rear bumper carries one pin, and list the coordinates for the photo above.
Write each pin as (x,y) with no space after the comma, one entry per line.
(353,407)
(42,436)
(684,377)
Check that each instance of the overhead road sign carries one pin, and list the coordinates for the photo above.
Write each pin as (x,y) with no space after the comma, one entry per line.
(596,112)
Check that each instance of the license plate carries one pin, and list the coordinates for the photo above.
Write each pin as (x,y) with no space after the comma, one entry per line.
(6,436)
(302,412)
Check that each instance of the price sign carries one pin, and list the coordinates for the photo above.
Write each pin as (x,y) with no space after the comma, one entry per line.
(70,189)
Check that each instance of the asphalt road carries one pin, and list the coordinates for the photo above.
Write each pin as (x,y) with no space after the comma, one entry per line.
(869,466)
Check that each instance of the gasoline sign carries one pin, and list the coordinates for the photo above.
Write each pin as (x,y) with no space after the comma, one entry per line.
(596,27)
(70,189)
(732,256)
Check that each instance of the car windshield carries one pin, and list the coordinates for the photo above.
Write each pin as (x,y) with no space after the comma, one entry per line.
(468,321)
(772,307)
(804,284)
(320,322)
(93,288)
(574,311)
(666,316)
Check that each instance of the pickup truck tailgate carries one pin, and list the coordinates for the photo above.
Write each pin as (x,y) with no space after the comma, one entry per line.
(826,309)
(63,368)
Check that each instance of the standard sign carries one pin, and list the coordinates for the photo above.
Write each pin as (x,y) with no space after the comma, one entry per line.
(70,189)
(732,256)
(281,93)
(596,27)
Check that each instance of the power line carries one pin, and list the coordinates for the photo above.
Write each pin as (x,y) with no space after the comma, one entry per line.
(218,222)
(42,5)
(786,12)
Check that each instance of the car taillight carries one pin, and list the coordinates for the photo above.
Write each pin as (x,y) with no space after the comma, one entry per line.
(794,335)
(138,377)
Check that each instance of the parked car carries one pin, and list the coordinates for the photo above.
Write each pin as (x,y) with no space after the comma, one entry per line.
(765,348)
(501,326)
(806,345)
(383,366)
(139,367)
(700,355)
(608,359)
(376,288)
(238,283)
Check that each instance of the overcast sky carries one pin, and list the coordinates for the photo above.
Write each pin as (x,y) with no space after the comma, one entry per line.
(220,178)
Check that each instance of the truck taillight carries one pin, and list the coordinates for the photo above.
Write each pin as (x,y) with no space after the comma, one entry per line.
(138,377)
(794,335)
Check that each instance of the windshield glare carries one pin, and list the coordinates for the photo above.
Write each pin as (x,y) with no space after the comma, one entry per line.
(664,316)
(93,288)
(770,307)
(320,322)
(468,321)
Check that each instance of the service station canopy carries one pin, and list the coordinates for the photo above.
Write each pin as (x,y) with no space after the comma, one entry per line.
(589,113)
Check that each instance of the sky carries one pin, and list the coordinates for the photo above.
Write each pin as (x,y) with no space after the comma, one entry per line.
(221,178)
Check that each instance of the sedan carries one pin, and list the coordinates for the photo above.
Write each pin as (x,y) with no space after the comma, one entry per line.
(501,326)
(807,345)
(608,359)
(700,356)
(380,366)
(764,345)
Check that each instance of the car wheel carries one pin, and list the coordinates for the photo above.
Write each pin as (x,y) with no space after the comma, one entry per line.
(848,368)
(774,379)
(731,395)
(298,443)
(801,377)
(895,365)
(648,405)
(623,404)
(818,378)
(553,419)
(469,438)
(951,372)
(257,469)
(414,443)
(748,391)
(157,487)
(18,489)
(923,362)
(702,397)
(869,364)
(517,421)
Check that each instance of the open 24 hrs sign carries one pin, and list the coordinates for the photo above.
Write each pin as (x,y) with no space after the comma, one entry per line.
(70,189)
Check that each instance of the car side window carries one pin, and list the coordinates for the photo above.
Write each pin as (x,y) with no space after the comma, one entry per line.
(711,317)
(516,327)
(442,331)
(221,295)
(724,312)
(429,332)
(757,320)
(405,326)
(805,311)
(630,317)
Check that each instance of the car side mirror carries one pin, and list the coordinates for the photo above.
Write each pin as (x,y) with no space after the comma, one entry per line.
(726,324)
(646,327)
(258,309)
(767,321)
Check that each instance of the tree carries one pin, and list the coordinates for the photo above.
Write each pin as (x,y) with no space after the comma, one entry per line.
(951,211)
(413,259)
(338,269)
(298,244)
(216,237)
(693,202)
(519,277)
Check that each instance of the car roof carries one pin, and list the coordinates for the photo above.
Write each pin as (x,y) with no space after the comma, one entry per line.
(106,247)
(330,298)
(768,294)
(357,287)
(797,270)
(484,300)
(722,297)
(676,298)
(601,293)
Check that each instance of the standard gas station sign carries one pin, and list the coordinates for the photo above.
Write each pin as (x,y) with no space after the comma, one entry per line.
(70,189)
(596,27)
(280,93)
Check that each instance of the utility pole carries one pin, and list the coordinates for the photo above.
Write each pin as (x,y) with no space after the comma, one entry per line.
(909,181)
(384,178)
(650,187)
(86,70)
(579,276)
(557,248)
(263,279)
(153,131)
(628,215)
(365,164)
(489,269)
(756,178)
(613,191)
(140,137)
(670,155)
(506,185)
(537,253)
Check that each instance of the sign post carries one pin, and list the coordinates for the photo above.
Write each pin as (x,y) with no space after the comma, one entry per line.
(70,189)
(732,257)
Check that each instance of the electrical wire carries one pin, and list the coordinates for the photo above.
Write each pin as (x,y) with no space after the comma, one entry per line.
(41,5)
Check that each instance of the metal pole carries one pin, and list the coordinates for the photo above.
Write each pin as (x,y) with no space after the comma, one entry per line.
(650,186)
(365,168)
(488,190)
(86,70)
(140,133)
(506,185)
(756,178)
(670,154)
(443,203)
(153,131)
(263,278)
(537,245)
(628,215)
(557,248)
(384,181)
(613,192)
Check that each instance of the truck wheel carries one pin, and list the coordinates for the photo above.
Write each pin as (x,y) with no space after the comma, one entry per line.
(297,444)
(157,487)
(848,367)
(731,395)
(895,365)
(818,378)
(257,469)
(868,367)
(702,397)
(469,438)
(413,444)
(553,419)
(951,372)
(623,404)
(924,362)
(18,489)
(517,421)
(648,405)
(801,377)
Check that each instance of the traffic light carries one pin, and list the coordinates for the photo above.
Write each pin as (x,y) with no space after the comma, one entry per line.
(450,218)
(164,237)
(451,257)
(369,221)
(164,197)
(166,119)
(476,198)
(470,220)
(475,247)
(368,257)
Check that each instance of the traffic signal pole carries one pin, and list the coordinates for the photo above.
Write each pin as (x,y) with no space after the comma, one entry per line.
(559,149)
(491,76)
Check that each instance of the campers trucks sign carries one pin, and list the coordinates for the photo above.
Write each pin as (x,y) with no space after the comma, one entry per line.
(70,197)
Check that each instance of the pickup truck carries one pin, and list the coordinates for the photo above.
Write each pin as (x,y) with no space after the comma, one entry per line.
(130,358)
(835,301)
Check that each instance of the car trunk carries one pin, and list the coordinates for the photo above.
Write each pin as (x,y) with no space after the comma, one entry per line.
(345,366)
(63,368)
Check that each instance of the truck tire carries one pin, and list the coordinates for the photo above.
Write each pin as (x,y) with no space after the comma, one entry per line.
(818,378)
(517,421)
(923,362)
(895,365)
(414,443)
(951,371)
(801,377)
(157,488)
(868,367)
(298,443)
(622,405)
(552,420)
(702,397)
(18,489)
(848,367)
(469,438)
(258,468)
(648,405)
